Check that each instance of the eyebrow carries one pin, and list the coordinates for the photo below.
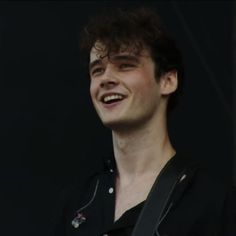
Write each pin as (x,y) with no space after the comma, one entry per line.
(114,59)
(125,57)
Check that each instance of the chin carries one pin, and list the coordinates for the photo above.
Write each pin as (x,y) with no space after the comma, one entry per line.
(120,124)
(110,123)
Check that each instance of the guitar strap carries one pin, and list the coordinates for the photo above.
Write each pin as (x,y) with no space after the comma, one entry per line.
(176,169)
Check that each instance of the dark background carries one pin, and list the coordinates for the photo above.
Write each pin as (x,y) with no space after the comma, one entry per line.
(50,134)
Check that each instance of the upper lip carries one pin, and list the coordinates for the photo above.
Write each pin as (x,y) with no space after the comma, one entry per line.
(109,94)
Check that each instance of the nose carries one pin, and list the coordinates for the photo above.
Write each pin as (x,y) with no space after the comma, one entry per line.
(109,79)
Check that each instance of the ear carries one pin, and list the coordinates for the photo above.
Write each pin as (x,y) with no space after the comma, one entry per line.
(169,82)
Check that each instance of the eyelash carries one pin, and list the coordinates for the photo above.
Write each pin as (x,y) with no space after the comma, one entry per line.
(97,70)
(126,65)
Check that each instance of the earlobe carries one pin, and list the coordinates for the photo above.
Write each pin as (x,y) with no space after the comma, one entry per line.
(169,82)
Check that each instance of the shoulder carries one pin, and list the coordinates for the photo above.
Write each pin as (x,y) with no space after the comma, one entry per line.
(207,185)
(202,204)
(202,189)
(200,177)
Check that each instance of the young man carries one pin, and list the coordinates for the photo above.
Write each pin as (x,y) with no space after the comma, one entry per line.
(136,72)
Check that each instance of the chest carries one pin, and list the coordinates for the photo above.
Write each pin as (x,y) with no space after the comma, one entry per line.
(129,196)
(186,217)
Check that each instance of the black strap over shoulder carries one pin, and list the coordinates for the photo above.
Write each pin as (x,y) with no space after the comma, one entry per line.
(157,201)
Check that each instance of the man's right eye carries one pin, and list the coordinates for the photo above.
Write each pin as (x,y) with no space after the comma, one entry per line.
(97,71)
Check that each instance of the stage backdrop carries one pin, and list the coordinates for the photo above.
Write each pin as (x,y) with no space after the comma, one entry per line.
(50,134)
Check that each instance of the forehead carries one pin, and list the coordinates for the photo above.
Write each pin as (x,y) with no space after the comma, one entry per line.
(99,51)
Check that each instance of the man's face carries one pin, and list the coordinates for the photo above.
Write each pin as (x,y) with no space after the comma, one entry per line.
(123,88)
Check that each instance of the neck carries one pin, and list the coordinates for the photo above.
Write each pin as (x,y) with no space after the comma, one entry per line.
(142,151)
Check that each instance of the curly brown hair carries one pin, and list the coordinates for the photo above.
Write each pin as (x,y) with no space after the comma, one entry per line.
(135,29)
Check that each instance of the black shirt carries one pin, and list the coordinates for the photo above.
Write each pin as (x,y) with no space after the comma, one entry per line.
(202,206)
(103,194)
(125,224)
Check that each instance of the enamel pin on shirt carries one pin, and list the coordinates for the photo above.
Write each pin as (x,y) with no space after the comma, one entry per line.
(78,220)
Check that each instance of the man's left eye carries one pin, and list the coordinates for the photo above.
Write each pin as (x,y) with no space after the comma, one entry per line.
(125,66)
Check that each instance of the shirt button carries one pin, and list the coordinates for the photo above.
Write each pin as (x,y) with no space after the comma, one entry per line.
(111,190)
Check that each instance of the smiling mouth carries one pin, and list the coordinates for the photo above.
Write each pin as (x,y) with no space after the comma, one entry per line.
(112,98)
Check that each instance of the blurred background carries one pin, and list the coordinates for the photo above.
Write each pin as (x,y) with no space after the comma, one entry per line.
(50,133)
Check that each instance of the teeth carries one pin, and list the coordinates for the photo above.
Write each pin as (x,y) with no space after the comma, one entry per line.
(112,97)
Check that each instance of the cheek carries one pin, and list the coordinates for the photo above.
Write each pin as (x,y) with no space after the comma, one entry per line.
(92,89)
(92,95)
(143,83)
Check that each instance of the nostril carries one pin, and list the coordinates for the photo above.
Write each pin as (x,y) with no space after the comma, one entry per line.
(108,84)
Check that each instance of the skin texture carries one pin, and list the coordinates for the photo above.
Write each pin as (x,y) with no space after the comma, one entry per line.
(138,121)
(131,76)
